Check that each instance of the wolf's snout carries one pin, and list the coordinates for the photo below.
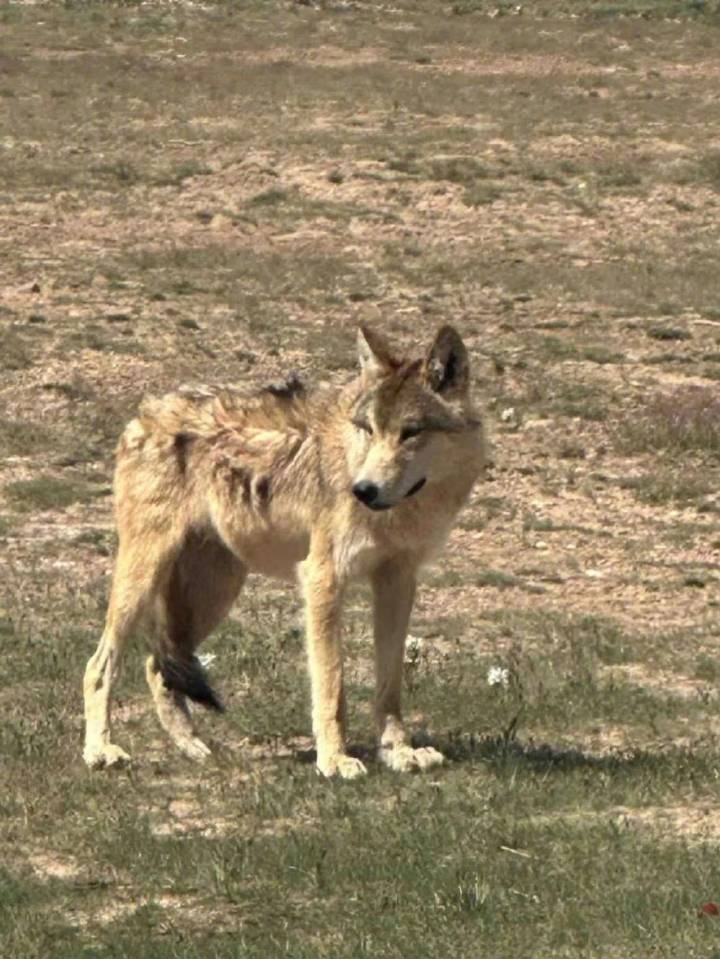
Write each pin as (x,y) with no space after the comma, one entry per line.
(366,492)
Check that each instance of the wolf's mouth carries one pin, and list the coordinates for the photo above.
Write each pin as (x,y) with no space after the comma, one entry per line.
(414,489)
(377,506)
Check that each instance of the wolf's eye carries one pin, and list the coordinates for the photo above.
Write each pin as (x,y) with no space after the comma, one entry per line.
(363,425)
(408,432)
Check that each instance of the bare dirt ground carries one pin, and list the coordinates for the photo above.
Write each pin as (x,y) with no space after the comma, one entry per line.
(189,194)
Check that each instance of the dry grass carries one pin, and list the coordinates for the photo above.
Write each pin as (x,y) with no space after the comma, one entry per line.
(222,192)
(684,420)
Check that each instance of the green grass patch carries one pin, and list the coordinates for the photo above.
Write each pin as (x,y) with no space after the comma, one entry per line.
(14,351)
(25,437)
(592,9)
(50,492)
(664,486)
(554,396)
(668,334)
(272,197)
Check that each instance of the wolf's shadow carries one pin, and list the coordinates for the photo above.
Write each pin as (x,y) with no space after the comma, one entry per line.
(497,751)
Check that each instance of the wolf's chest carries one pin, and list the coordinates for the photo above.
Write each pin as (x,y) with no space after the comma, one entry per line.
(275,555)
(359,548)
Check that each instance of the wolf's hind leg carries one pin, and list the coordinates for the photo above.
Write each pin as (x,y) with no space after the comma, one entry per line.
(393,594)
(174,714)
(139,568)
(204,583)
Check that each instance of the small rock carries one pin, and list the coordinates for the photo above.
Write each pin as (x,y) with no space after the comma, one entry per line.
(221,223)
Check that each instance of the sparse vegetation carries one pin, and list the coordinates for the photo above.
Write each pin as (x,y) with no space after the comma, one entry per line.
(14,352)
(665,486)
(220,192)
(48,492)
(683,420)
(25,437)
(668,333)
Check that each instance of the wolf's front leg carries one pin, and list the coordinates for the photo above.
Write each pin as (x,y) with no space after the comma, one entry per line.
(393,586)
(323,595)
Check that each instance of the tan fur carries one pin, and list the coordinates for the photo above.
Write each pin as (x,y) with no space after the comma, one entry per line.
(210,485)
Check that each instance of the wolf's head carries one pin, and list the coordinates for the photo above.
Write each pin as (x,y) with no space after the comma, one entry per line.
(411,421)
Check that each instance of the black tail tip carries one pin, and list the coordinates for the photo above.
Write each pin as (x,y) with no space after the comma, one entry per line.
(188,677)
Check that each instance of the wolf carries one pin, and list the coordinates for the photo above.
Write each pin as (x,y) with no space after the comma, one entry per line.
(325,487)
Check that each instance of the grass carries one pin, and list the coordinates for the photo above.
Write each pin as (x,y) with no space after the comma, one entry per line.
(14,351)
(668,333)
(537,868)
(554,396)
(594,9)
(292,852)
(221,192)
(48,492)
(672,486)
(684,420)
(21,437)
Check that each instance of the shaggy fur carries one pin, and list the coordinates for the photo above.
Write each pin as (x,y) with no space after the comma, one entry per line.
(325,487)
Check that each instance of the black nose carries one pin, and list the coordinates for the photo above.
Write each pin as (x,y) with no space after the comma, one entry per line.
(366,492)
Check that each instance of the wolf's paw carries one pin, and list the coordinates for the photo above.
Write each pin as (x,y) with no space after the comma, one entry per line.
(195,749)
(405,759)
(343,766)
(102,757)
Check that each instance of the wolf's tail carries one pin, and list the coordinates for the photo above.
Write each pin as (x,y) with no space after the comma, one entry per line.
(188,677)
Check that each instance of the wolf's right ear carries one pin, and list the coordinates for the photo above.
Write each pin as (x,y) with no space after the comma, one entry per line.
(374,354)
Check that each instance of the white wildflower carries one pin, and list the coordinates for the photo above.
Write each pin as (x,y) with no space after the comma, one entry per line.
(413,648)
(498,676)
(207,659)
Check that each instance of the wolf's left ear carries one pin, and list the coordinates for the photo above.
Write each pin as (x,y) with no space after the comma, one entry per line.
(374,353)
(447,367)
